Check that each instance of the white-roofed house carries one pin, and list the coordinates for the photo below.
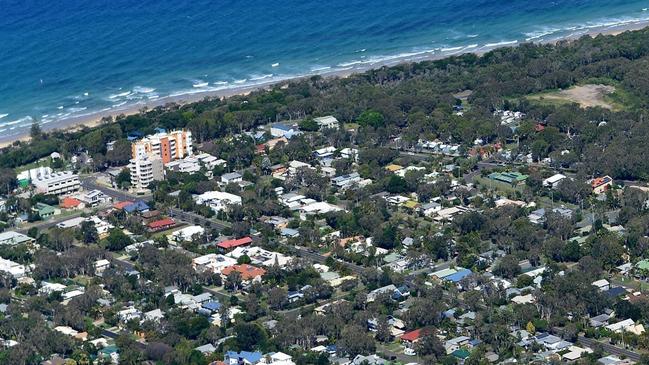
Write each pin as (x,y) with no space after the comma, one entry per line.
(327,122)
(602,285)
(553,181)
(217,200)
(187,233)
(14,238)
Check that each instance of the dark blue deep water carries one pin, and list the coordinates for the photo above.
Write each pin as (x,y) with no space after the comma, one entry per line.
(68,58)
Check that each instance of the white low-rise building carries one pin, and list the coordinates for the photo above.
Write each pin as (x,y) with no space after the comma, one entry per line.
(350,153)
(259,256)
(294,166)
(602,285)
(129,314)
(212,262)
(187,233)
(327,122)
(553,181)
(71,223)
(48,288)
(217,200)
(627,325)
(276,358)
(12,238)
(57,183)
(15,269)
(101,266)
(93,198)
(319,208)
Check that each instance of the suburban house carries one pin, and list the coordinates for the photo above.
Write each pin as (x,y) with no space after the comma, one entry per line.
(248,273)
(212,262)
(283,130)
(71,203)
(601,184)
(217,200)
(161,225)
(229,245)
(553,181)
(232,177)
(93,198)
(511,178)
(327,122)
(14,238)
(348,180)
(409,339)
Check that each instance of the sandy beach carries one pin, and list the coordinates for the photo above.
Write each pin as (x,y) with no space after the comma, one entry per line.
(95,119)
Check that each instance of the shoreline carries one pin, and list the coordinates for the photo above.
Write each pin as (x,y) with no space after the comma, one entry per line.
(92,120)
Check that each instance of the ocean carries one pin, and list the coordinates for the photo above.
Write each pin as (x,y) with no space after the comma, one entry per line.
(72,59)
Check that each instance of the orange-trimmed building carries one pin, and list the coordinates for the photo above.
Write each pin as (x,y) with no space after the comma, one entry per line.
(601,184)
(229,245)
(248,272)
(174,145)
(161,225)
(412,337)
(71,203)
(122,205)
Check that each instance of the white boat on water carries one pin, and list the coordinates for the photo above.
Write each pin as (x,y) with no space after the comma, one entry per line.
(275,64)
(201,84)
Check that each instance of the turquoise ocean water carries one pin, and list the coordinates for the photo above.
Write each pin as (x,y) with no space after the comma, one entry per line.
(70,59)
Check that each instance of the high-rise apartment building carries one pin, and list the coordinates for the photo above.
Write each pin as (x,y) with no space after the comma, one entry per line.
(168,146)
(144,170)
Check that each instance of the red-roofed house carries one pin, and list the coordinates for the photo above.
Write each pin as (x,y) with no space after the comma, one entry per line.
(248,272)
(412,337)
(261,148)
(121,205)
(232,244)
(601,184)
(162,224)
(71,203)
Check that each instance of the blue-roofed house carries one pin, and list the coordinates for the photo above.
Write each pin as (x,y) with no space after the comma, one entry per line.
(211,306)
(459,275)
(294,296)
(132,136)
(401,292)
(616,291)
(289,232)
(243,357)
(281,130)
(331,349)
(139,206)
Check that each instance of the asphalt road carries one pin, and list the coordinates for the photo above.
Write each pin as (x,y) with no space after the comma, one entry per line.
(48,223)
(90,183)
(193,218)
(611,349)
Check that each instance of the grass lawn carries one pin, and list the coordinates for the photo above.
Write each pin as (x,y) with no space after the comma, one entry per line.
(500,186)
(546,202)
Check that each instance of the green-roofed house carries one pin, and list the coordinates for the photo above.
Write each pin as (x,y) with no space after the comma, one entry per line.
(511,178)
(642,268)
(45,211)
(411,204)
(642,265)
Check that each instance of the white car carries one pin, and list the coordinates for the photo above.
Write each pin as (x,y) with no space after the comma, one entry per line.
(408,351)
